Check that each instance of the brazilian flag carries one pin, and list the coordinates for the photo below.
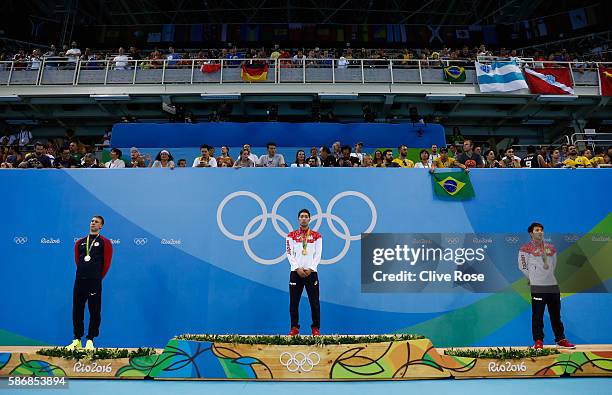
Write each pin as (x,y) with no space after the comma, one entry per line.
(453,185)
(454,74)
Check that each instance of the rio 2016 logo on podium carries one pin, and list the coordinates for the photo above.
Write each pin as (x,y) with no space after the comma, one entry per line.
(317,218)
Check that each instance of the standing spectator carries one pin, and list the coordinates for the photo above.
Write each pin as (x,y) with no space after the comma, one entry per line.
(457,138)
(347,160)
(106,139)
(244,159)
(205,160)
(116,162)
(271,159)
(389,161)
(379,161)
(533,159)
(314,155)
(225,157)
(121,60)
(300,159)
(511,160)
(358,152)
(424,163)
(136,160)
(469,158)
(402,160)
(172,57)
(434,153)
(24,136)
(491,161)
(327,159)
(164,159)
(574,160)
(73,54)
(182,163)
(65,160)
(252,156)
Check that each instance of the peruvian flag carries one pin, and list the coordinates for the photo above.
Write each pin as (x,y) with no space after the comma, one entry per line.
(605,81)
(550,81)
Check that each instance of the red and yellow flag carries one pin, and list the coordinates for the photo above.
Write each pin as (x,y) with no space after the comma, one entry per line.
(210,67)
(605,81)
(254,72)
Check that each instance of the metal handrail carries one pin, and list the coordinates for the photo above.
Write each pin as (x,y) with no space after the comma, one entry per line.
(278,65)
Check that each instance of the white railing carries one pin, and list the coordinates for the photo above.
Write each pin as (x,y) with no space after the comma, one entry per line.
(591,139)
(59,71)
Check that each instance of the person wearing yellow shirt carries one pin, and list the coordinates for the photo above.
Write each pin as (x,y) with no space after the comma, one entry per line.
(574,160)
(596,160)
(402,159)
(444,161)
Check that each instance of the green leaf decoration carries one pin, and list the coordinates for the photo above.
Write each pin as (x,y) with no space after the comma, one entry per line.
(98,353)
(501,353)
(298,340)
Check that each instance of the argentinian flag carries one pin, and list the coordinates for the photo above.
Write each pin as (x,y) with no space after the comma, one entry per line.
(500,77)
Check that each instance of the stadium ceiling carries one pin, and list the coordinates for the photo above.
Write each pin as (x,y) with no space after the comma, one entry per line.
(148,12)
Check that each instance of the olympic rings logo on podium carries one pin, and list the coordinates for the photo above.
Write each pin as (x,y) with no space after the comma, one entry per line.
(140,241)
(318,217)
(300,361)
(20,239)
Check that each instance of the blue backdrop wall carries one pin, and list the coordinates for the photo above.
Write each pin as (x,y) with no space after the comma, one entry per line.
(192,254)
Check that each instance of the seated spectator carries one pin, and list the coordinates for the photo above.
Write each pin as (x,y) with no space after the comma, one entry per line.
(336,147)
(5,165)
(444,161)
(491,161)
(511,160)
(271,159)
(312,162)
(555,159)
(164,159)
(182,163)
(89,161)
(300,159)
(252,156)
(205,160)
(367,161)
(533,159)
(75,151)
(346,160)
(137,160)
(478,150)
(244,159)
(225,157)
(327,159)
(379,160)
(389,161)
(454,151)
(597,159)
(314,154)
(65,160)
(14,156)
(358,152)
(402,160)
(116,162)
(469,158)
(73,54)
(121,60)
(607,161)
(31,161)
(424,163)
(172,57)
(574,160)
(41,155)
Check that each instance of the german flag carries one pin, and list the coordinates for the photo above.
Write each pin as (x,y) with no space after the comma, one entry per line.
(454,74)
(256,72)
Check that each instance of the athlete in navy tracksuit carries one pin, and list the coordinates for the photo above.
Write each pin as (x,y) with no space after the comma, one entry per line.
(92,255)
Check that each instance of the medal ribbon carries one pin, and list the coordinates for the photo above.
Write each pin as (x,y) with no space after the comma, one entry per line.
(88,246)
(305,242)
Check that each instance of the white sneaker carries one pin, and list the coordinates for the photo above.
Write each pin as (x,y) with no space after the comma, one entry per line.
(89,346)
(76,344)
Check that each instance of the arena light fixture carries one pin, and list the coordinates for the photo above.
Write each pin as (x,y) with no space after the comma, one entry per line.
(10,98)
(538,122)
(338,96)
(110,97)
(445,97)
(556,98)
(220,96)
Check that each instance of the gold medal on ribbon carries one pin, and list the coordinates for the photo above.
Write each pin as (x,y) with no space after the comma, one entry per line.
(305,243)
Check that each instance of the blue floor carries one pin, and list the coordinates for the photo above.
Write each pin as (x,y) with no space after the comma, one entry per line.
(552,386)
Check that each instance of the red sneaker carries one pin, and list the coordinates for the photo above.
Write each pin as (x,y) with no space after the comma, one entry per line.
(538,345)
(564,343)
(294,331)
(316,332)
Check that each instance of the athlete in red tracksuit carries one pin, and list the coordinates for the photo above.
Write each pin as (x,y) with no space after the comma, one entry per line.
(92,255)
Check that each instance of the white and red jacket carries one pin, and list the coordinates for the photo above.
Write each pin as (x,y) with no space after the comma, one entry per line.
(531,263)
(314,247)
